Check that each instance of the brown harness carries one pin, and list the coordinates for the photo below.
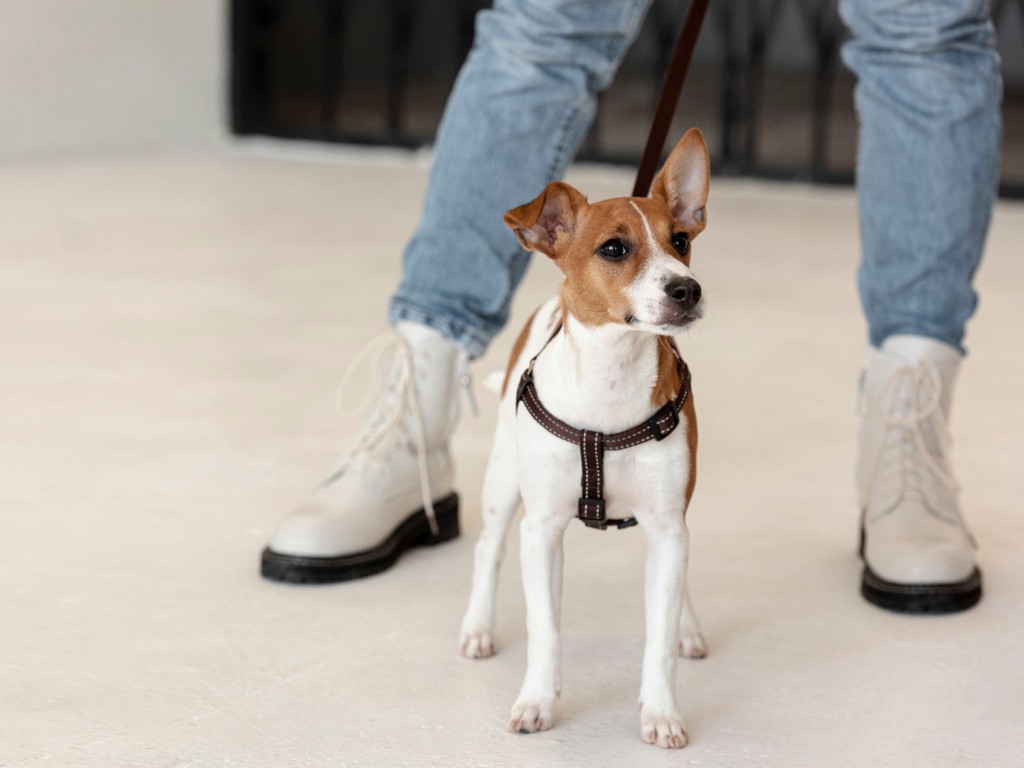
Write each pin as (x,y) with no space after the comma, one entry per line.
(593,444)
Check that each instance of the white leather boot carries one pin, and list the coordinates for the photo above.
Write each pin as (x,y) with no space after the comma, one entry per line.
(918,555)
(394,490)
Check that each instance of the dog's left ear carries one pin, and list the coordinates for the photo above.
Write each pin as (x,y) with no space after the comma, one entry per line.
(683,182)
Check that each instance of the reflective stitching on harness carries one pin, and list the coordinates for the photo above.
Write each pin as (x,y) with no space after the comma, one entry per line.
(533,395)
(586,464)
(636,441)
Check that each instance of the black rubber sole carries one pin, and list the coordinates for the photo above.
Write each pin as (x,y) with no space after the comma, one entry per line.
(919,598)
(414,531)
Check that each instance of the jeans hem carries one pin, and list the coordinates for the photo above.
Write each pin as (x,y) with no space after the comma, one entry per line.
(470,339)
(876,340)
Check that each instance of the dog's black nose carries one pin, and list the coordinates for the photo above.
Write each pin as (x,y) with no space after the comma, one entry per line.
(684,291)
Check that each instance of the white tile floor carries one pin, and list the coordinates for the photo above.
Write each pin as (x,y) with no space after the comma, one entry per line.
(173,332)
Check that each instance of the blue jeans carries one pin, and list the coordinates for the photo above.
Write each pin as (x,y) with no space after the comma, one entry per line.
(928,95)
(928,98)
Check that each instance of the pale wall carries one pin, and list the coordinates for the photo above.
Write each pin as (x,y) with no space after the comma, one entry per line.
(81,76)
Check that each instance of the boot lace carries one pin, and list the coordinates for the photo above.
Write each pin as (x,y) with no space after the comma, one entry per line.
(913,456)
(389,363)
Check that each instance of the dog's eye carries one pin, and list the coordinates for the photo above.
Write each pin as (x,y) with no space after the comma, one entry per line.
(681,242)
(613,250)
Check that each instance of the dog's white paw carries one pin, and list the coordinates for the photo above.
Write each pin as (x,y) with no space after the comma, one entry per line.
(476,644)
(531,715)
(692,645)
(663,729)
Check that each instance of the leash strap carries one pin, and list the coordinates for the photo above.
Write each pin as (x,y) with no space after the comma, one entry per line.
(591,509)
(671,87)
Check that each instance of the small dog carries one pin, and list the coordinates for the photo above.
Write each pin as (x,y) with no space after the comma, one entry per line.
(593,365)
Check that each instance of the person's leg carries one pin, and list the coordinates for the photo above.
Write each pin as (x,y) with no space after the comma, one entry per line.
(928,98)
(520,108)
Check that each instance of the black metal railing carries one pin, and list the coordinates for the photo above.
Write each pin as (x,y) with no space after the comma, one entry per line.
(766,85)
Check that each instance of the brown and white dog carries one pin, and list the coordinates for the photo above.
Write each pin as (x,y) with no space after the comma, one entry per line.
(627,285)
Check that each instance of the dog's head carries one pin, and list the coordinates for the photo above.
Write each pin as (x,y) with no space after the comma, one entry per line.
(626,260)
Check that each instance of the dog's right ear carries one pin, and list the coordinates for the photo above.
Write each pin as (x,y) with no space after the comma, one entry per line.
(540,224)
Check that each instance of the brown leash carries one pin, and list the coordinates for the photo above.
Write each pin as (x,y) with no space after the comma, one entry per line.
(592,445)
(671,87)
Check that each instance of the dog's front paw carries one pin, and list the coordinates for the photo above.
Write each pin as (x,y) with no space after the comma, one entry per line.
(476,643)
(531,715)
(692,645)
(663,729)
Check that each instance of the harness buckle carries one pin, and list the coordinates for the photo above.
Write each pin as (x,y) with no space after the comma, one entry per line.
(603,524)
(591,512)
(659,432)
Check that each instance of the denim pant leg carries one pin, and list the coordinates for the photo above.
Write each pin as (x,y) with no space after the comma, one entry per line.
(928,97)
(520,108)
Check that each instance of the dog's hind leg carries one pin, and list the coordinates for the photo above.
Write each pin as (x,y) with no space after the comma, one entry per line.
(500,500)
(691,639)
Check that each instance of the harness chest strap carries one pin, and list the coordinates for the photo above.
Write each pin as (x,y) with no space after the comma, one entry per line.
(593,444)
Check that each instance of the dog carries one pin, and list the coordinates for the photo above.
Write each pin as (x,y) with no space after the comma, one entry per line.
(599,360)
